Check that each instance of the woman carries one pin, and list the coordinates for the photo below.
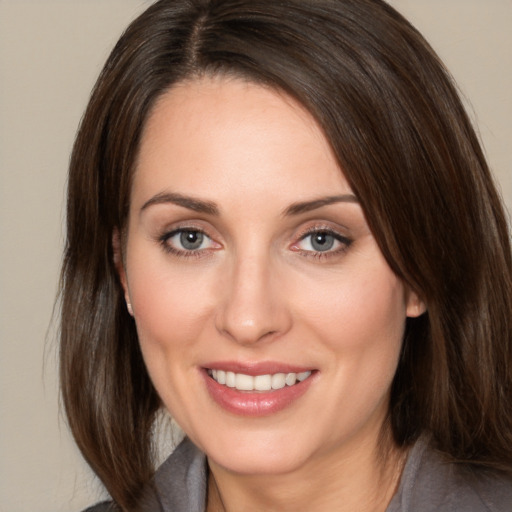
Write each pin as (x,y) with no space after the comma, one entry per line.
(282,229)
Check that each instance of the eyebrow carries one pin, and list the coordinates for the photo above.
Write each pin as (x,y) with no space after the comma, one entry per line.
(192,203)
(210,208)
(307,206)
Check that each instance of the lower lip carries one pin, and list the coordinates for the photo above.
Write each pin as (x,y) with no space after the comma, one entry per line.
(262,403)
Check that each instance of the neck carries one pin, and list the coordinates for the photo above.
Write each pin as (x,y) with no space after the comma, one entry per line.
(362,479)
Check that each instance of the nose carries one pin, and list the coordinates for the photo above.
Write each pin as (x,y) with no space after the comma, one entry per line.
(252,308)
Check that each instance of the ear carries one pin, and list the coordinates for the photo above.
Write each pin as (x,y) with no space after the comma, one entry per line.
(119,264)
(415,304)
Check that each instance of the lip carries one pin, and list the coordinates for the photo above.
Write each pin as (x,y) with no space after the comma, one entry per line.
(256,404)
(254,369)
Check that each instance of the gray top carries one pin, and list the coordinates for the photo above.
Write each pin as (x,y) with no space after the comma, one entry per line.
(428,484)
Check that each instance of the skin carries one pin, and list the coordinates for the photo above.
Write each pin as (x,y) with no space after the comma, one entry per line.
(257,290)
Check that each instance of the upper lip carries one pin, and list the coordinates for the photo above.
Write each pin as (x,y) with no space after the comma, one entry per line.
(256,368)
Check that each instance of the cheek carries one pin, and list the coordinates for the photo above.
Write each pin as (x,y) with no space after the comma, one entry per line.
(359,317)
(170,304)
(360,322)
(357,309)
(171,315)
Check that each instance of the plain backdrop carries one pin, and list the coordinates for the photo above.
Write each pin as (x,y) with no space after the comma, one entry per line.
(50,54)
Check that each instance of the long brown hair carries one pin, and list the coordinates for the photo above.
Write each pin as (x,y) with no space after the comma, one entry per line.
(406,146)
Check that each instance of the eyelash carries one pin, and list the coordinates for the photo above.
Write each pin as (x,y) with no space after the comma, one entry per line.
(320,255)
(201,253)
(183,253)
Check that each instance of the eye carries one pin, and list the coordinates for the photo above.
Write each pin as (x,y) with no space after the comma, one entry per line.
(190,240)
(320,241)
(183,241)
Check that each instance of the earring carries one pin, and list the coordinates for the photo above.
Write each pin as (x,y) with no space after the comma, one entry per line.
(129,308)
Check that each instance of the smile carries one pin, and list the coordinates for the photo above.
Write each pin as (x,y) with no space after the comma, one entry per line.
(267,382)
(257,390)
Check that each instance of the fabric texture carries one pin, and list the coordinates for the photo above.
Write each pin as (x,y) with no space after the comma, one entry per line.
(428,484)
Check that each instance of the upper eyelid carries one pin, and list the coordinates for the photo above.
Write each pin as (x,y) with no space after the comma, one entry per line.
(322,228)
(170,230)
(339,238)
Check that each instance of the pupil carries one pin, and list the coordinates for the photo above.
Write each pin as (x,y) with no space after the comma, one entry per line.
(191,240)
(322,241)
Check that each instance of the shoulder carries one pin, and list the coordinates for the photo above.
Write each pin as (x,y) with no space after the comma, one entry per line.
(178,485)
(430,483)
(494,491)
(104,506)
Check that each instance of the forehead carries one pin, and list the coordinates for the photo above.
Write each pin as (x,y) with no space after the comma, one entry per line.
(217,135)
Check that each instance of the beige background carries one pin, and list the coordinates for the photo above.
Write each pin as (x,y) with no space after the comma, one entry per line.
(50,54)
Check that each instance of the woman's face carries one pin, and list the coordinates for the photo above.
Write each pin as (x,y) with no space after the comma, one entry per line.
(249,263)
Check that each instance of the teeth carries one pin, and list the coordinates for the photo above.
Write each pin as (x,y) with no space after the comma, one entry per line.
(243,382)
(303,376)
(278,381)
(230,379)
(262,382)
(290,379)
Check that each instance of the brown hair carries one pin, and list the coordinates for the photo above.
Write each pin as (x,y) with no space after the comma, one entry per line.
(406,146)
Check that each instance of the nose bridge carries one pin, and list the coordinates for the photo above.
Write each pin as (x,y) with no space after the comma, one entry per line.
(252,308)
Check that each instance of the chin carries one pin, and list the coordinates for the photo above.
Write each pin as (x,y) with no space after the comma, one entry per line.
(264,452)
(258,461)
